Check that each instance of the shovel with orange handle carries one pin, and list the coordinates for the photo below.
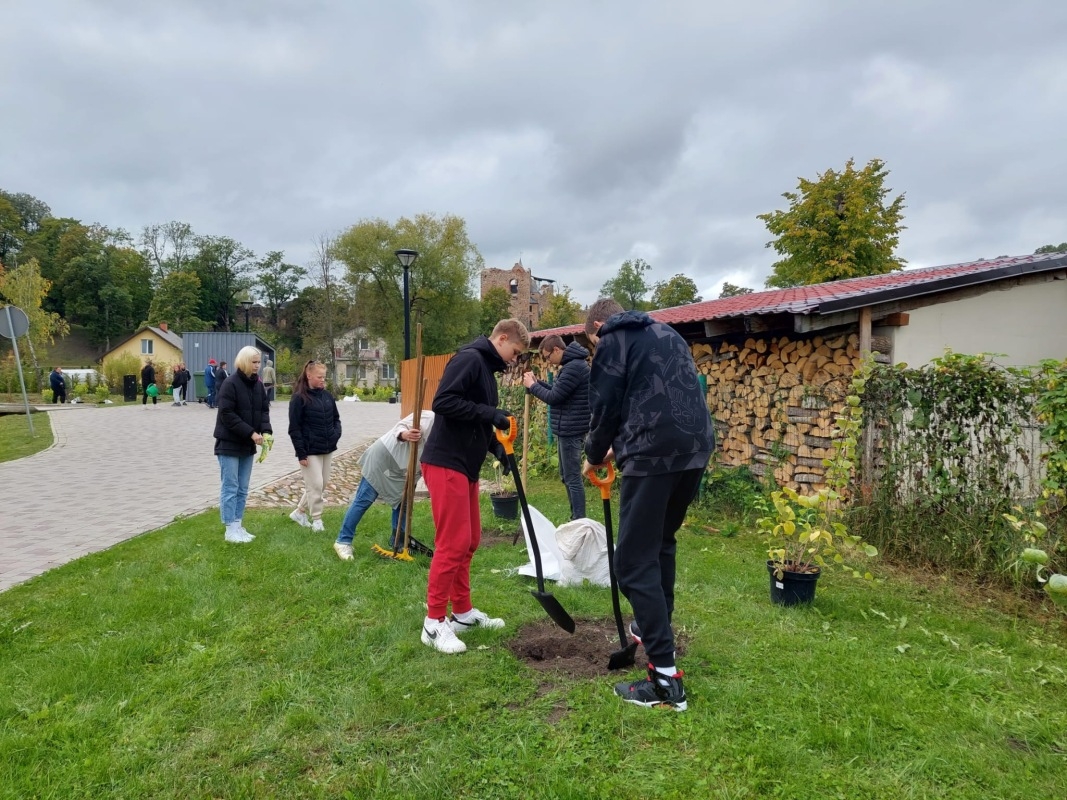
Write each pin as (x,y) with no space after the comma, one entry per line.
(624,657)
(548,602)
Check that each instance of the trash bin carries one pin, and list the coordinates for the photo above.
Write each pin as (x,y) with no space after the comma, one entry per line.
(129,388)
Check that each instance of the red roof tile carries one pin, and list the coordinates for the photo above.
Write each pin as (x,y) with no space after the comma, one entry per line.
(838,294)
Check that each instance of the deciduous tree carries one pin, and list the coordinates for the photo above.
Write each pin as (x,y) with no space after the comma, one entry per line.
(176,301)
(24,287)
(168,247)
(440,280)
(277,282)
(628,286)
(496,305)
(32,212)
(1052,248)
(677,291)
(729,290)
(841,225)
(224,267)
(561,310)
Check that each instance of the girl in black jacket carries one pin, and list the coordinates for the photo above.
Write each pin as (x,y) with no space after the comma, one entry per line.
(315,428)
(243,417)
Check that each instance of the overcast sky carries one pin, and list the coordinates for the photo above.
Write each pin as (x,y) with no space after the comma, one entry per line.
(573,135)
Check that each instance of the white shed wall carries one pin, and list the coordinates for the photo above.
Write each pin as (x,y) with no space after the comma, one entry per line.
(1027,323)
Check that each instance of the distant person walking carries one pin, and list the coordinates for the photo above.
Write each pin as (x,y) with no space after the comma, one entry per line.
(221,374)
(269,377)
(148,378)
(209,382)
(315,428)
(59,385)
(180,381)
(243,417)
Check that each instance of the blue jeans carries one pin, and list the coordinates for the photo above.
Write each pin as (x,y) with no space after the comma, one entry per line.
(364,499)
(570,472)
(236,472)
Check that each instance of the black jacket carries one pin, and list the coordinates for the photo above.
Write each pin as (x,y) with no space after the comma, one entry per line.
(57,381)
(646,399)
(181,378)
(569,394)
(243,410)
(314,423)
(464,406)
(148,374)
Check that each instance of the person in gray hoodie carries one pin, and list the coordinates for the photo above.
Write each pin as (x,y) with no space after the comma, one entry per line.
(649,415)
(568,396)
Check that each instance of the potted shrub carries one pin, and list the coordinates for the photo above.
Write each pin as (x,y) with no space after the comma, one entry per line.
(806,533)
(502,494)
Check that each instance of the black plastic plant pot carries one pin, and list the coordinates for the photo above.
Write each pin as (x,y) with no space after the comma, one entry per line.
(794,588)
(505,506)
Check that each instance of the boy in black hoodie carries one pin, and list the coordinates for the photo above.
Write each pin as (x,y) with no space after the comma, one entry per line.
(651,417)
(465,415)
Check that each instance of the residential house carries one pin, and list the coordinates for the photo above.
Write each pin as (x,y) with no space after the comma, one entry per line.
(362,361)
(157,343)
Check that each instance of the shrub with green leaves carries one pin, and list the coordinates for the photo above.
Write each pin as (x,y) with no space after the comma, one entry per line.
(956,447)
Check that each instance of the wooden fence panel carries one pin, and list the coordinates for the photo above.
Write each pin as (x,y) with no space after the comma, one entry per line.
(433,368)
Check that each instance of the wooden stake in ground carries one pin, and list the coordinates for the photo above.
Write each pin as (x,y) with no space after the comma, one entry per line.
(408,500)
(525,435)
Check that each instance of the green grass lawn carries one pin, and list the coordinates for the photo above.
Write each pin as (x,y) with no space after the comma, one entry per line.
(15,438)
(175,665)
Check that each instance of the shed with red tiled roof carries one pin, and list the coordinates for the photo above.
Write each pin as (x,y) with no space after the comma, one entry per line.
(943,307)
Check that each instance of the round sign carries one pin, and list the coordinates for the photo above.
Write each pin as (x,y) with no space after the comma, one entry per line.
(13,322)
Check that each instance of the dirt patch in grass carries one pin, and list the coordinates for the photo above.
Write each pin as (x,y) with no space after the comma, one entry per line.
(500,532)
(546,647)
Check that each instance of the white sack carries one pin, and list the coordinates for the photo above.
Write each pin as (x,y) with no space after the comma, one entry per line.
(546,544)
(584,546)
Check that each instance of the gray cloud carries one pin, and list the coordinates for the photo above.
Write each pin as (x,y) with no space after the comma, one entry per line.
(574,135)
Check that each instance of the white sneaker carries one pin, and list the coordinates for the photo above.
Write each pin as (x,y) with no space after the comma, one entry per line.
(238,536)
(475,619)
(344,551)
(316,526)
(441,637)
(300,518)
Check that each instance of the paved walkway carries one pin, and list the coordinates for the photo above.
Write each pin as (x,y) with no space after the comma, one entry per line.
(114,473)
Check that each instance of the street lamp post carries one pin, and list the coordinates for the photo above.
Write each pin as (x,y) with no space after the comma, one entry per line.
(406,259)
(246,304)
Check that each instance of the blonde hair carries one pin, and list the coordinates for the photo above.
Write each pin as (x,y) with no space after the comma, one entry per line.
(514,329)
(243,361)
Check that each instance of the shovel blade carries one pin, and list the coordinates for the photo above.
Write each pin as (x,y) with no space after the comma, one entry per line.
(621,659)
(557,612)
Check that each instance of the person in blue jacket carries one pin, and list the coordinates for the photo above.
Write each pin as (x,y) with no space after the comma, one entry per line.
(58,384)
(209,382)
(568,397)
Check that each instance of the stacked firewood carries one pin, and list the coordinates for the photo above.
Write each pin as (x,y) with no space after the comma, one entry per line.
(775,400)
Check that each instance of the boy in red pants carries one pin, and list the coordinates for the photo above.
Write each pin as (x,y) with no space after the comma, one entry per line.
(465,415)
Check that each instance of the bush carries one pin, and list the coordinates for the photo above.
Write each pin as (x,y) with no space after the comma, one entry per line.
(116,368)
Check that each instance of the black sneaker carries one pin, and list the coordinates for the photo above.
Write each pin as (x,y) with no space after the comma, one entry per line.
(635,633)
(655,691)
